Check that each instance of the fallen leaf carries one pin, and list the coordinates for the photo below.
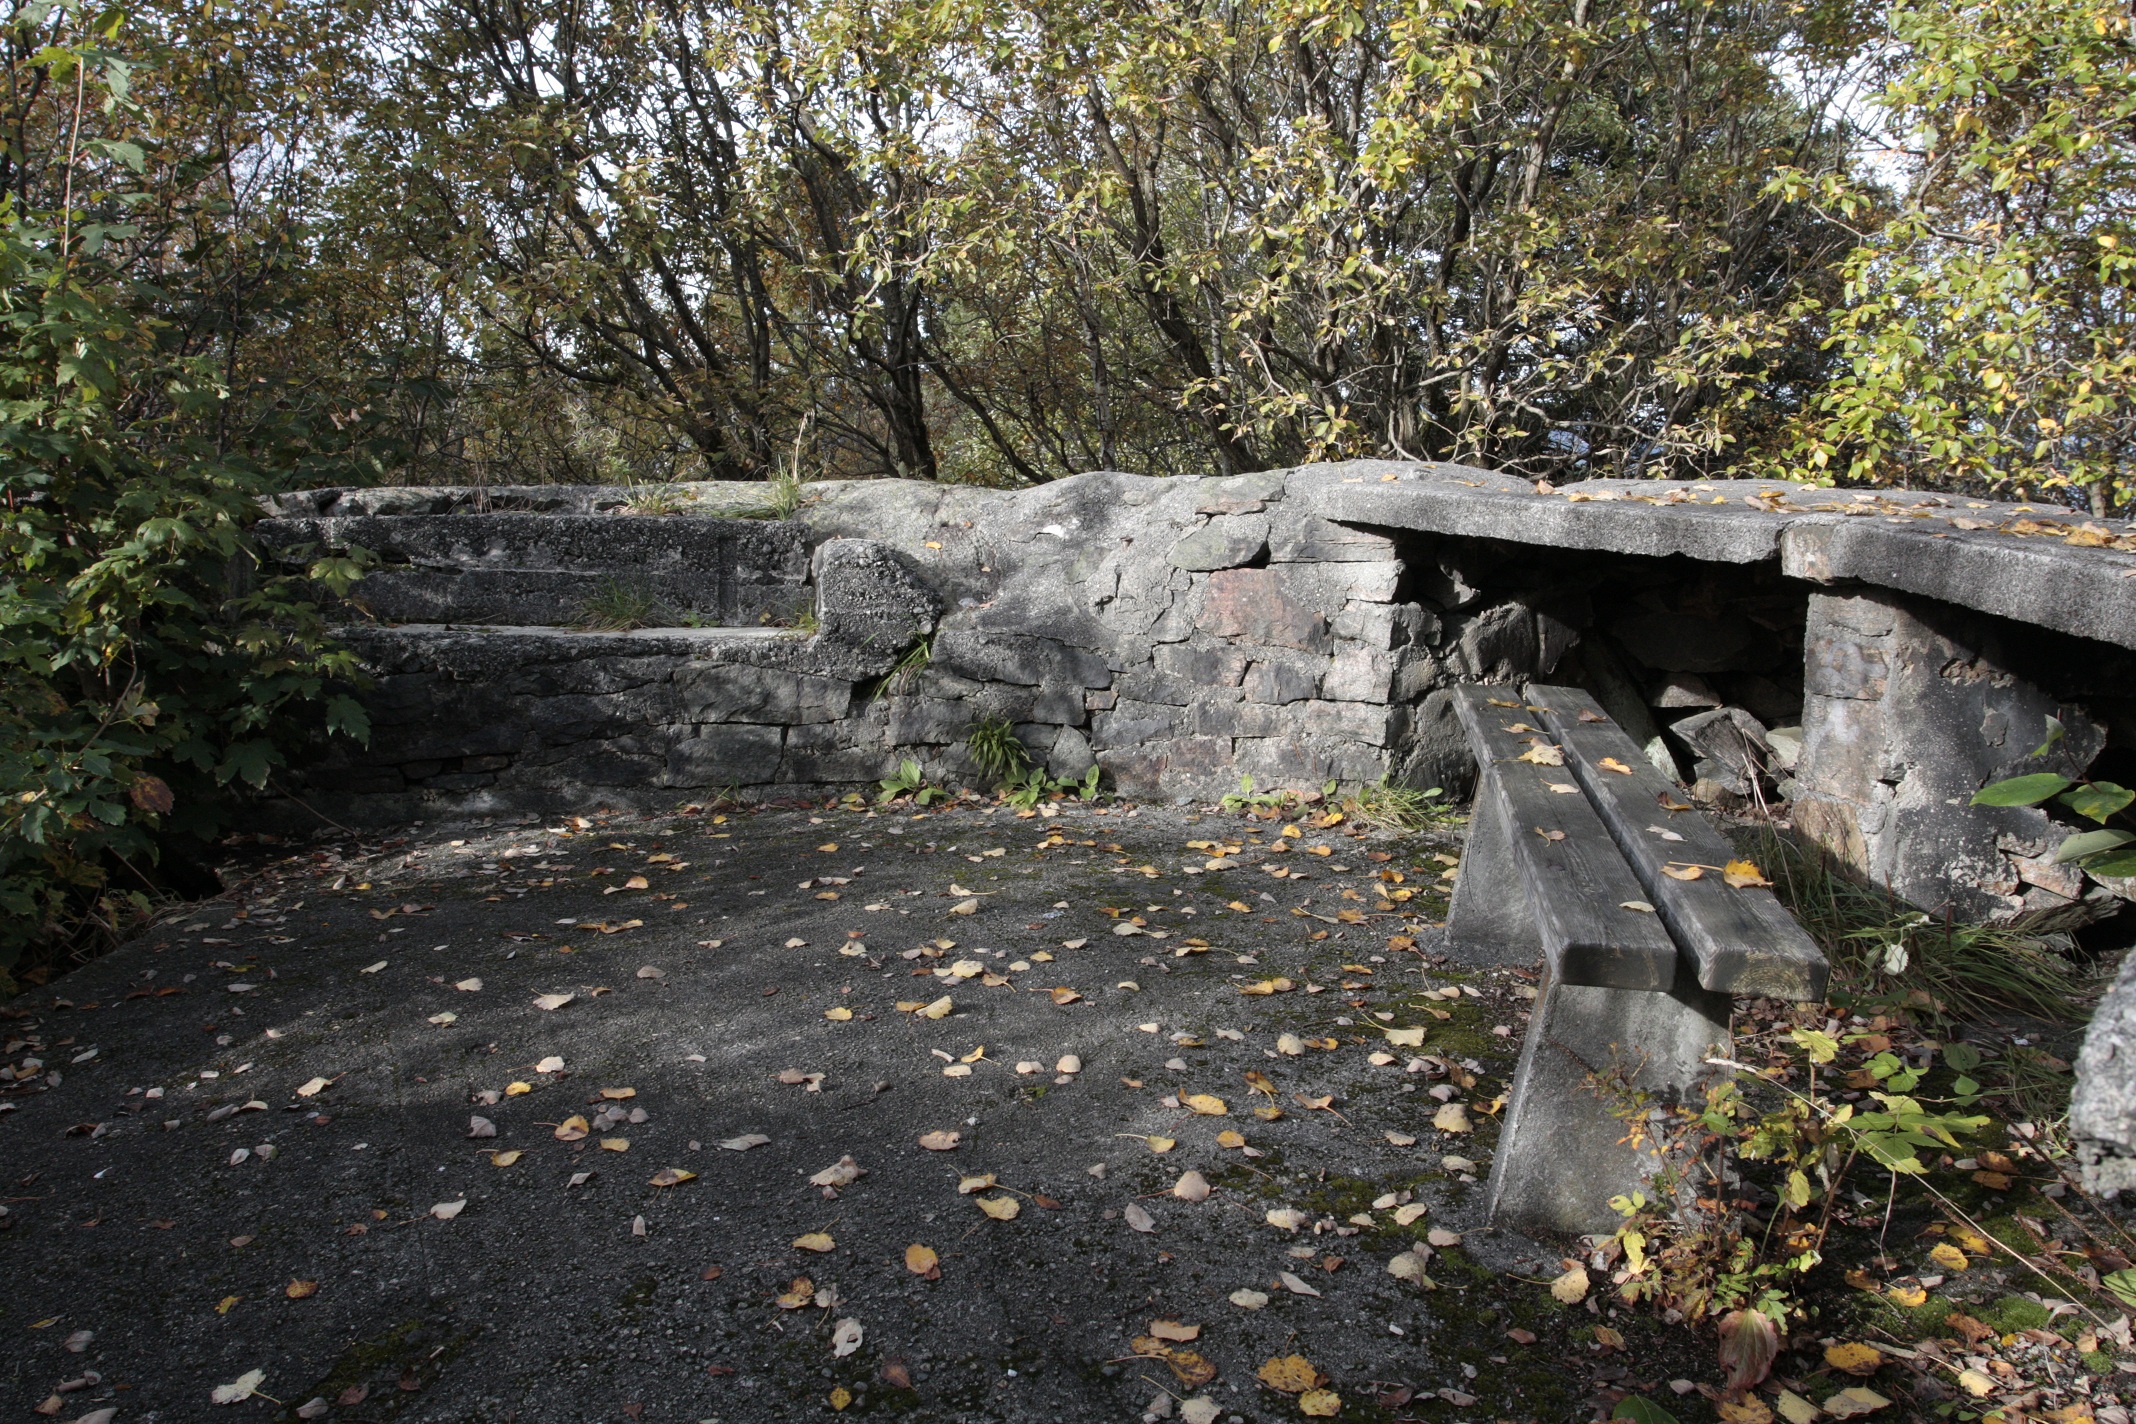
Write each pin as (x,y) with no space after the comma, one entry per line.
(920,1260)
(478,1126)
(1294,1285)
(1744,875)
(1406,1215)
(1795,1409)
(551,1064)
(1000,1208)
(1400,1139)
(1287,1218)
(1193,1187)
(505,1159)
(469,986)
(552,1002)
(517,1089)
(1228,1138)
(1138,1219)
(938,1009)
(1570,1288)
(241,1388)
(1320,1403)
(1439,1236)
(1683,872)
(441,1020)
(1854,1358)
(815,1241)
(1975,1383)
(314,1087)
(1949,1257)
(840,1014)
(301,1290)
(1289,1374)
(446,1211)
(1452,1117)
(846,1337)
(941,1141)
(1249,1299)
(1175,1331)
(1206,1104)
(1193,1370)
(672,1177)
(842,1173)
(840,1398)
(746,1141)
(1855,1402)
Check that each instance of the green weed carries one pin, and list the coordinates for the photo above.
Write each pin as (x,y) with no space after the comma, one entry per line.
(617,607)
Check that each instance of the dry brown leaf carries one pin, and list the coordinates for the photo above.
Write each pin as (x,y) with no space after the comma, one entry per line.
(815,1241)
(920,1260)
(1175,1331)
(672,1177)
(1193,1187)
(940,1141)
(1000,1208)
(574,1128)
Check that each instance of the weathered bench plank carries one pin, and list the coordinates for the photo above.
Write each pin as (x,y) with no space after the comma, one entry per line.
(1739,940)
(1575,884)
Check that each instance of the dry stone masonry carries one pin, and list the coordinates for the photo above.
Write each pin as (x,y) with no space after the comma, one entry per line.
(1867,660)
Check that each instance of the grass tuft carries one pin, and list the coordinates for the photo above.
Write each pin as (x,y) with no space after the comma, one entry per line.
(618,607)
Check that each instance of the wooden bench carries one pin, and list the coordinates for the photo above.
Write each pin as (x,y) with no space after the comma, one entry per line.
(1570,848)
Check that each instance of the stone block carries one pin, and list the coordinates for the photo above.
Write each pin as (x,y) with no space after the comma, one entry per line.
(1258,606)
(1359,675)
(739,693)
(1343,722)
(1310,539)
(2102,1111)
(1498,644)
(1279,678)
(1026,661)
(1239,719)
(926,721)
(1292,763)
(1133,724)
(1202,663)
(829,755)
(721,756)
(1225,542)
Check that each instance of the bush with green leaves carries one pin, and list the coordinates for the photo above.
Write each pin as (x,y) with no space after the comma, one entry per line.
(2109,850)
(149,664)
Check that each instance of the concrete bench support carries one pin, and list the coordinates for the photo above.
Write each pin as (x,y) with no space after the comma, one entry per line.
(1561,1154)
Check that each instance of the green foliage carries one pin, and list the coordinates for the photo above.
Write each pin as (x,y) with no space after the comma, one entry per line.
(1642,1411)
(907,671)
(148,665)
(909,781)
(1383,805)
(1033,785)
(2102,852)
(996,751)
(616,606)
(1986,330)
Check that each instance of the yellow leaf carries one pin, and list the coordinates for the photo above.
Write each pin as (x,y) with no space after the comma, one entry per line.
(1949,1257)
(615,1144)
(1452,1117)
(967,1185)
(1852,1403)
(1405,1037)
(1612,764)
(802,1293)
(223,1308)
(301,1290)
(1570,1288)
(1854,1358)
(1175,1331)
(1289,1374)
(505,1159)
(1000,1208)
(1206,1104)
(840,1398)
(815,1241)
(838,1015)
(1978,1385)
(1683,872)
(513,1090)
(617,1095)
(572,1129)
(1542,754)
(672,1177)
(637,882)
(1748,1410)
(939,1009)
(1908,1296)
(1228,1138)
(1743,874)
(1320,1403)
(921,1259)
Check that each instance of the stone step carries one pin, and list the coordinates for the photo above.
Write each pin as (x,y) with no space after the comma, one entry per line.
(547,570)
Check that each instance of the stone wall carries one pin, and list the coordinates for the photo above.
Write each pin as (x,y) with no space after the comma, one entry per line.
(1294,627)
